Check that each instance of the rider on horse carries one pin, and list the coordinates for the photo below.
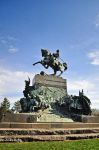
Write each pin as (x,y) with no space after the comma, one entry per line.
(56,55)
(51,60)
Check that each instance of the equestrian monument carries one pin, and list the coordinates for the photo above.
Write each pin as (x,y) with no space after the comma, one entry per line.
(48,97)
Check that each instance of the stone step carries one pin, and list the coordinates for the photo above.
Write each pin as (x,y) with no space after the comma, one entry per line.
(49,125)
(28,138)
(30,132)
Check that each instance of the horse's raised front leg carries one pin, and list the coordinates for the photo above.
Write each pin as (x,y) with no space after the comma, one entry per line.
(39,62)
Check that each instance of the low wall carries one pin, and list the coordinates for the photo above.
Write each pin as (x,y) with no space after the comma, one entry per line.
(19,117)
(48,125)
(90,119)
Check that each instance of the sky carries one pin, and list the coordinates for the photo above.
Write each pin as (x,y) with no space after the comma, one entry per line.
(71,26)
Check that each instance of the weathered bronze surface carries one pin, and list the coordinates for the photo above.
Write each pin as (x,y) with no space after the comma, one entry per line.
(52,60)
(50,91)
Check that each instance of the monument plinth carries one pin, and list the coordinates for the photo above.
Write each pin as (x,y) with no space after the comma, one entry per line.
(49,88)
(50,81)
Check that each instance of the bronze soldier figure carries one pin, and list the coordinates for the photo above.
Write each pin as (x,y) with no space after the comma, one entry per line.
(51,60)
(56,55)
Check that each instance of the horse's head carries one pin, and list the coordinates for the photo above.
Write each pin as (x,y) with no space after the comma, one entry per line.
(65,66)
(45,52)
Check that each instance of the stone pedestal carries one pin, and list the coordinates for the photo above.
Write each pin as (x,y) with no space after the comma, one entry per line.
(90,119)
(50,81)
(49,88)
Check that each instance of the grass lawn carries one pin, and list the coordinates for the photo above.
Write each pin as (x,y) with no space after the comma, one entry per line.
(92,144)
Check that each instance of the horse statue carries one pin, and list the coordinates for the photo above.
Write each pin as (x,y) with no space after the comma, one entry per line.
(29,105)
(32,104)
(80,104)
(51,60)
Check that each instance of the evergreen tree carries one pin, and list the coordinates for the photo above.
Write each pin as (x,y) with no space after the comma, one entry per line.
(17,106)
(5,105)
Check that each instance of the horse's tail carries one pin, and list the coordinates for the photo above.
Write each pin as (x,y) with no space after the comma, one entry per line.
(65,66)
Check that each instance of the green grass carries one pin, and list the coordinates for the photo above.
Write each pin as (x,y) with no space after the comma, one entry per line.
(92,144)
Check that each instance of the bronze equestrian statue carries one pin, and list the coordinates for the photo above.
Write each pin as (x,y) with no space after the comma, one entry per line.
(51,60)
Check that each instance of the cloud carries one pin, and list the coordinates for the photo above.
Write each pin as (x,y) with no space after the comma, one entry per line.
(90,87)
(3,41)
(80,84)
(13,49)
(11,38)
(12,82)
(9,43)
(12,85)
(8,40)
(97,21)
(94,56)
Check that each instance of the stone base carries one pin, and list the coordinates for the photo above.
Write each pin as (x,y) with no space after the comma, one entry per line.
(49,88)
(52,116)
(90,119)
(19,117)
(50,81)
(52,125)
